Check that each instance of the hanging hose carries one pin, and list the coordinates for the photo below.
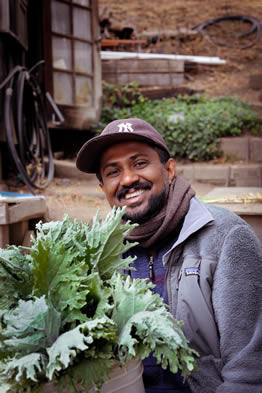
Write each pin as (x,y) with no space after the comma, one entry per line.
(26,128)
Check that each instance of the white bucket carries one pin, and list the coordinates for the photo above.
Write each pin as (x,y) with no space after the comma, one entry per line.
(127,379)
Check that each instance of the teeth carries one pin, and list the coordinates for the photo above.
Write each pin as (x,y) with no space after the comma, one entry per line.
(134,194)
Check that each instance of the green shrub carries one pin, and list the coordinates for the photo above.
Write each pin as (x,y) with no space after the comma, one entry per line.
(201,121)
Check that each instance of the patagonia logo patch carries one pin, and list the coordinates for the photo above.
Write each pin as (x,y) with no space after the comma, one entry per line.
(192,271)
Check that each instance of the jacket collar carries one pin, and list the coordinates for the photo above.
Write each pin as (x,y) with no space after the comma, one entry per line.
(196,218)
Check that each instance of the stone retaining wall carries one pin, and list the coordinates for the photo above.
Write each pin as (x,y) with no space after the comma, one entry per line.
(247,148)
(245,175)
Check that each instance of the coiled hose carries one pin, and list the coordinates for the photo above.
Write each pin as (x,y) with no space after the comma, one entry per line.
(254,23)
(26,128)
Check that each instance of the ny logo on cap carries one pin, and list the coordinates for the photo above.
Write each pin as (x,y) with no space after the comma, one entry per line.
(125,127)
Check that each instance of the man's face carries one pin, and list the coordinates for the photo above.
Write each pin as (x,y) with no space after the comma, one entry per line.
(133,176)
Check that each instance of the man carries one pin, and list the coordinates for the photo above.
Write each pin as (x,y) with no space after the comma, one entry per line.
(206,261)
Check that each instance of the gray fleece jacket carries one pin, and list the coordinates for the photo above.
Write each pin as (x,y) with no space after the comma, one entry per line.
(214,284)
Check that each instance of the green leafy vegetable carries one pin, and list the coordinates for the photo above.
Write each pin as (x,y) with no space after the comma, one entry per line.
(76,340)
(31,326)
(68,315)
(15,277)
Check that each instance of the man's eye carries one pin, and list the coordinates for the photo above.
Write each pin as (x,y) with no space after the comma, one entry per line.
(140,164)
(112,172)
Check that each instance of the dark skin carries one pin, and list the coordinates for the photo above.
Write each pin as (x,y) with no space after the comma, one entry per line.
(132,175)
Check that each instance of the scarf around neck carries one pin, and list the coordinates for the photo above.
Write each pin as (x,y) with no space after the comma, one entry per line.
(167,220)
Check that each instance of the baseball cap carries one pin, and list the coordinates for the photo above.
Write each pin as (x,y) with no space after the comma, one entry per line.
(134,129)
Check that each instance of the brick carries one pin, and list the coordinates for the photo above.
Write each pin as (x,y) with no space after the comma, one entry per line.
(212,174)
(238,147)
(187,171)
(250,176)
(255,149)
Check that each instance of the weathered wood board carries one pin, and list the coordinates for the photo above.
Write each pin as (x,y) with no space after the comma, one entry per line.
(145,72)
(14,219)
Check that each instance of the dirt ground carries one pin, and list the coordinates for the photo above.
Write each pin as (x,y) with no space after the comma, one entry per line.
(170,24)
(81,199)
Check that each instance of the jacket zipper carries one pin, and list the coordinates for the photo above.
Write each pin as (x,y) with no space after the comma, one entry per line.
(179,278)
(151,268)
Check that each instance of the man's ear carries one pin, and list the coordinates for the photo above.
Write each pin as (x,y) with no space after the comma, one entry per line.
(101,186)
(171,169)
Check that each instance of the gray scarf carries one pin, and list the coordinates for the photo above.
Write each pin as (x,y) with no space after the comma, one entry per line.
(167,220)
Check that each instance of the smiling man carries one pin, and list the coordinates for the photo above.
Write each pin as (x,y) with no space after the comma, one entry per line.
(133,176)
(205,261)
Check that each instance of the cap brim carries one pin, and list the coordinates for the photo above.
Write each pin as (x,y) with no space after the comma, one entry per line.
(88,158)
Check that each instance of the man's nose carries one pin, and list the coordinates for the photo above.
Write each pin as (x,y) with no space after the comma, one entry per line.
(128,177)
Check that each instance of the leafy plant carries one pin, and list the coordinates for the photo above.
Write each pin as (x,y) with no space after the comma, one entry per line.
(121,95)
(68,315)
(196,134)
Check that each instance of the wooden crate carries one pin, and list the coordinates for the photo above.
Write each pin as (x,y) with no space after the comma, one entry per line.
(145,72)
(15,217)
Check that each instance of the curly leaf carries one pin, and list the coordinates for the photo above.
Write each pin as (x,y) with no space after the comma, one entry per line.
(68,345)
(158,332)
(87,373)
(29,367)
(58,278)
(107,239)
(98,299)
(15,276)
(31,326)
(132,296)
(62,256)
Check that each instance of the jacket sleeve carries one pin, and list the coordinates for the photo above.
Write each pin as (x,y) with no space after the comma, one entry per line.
(237,301)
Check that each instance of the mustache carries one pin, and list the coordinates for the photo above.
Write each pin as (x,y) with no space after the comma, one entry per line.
(135,186)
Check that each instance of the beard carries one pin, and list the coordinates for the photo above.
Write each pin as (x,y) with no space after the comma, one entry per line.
(155,205)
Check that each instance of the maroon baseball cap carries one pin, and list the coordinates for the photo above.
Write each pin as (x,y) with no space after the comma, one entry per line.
(88,158)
